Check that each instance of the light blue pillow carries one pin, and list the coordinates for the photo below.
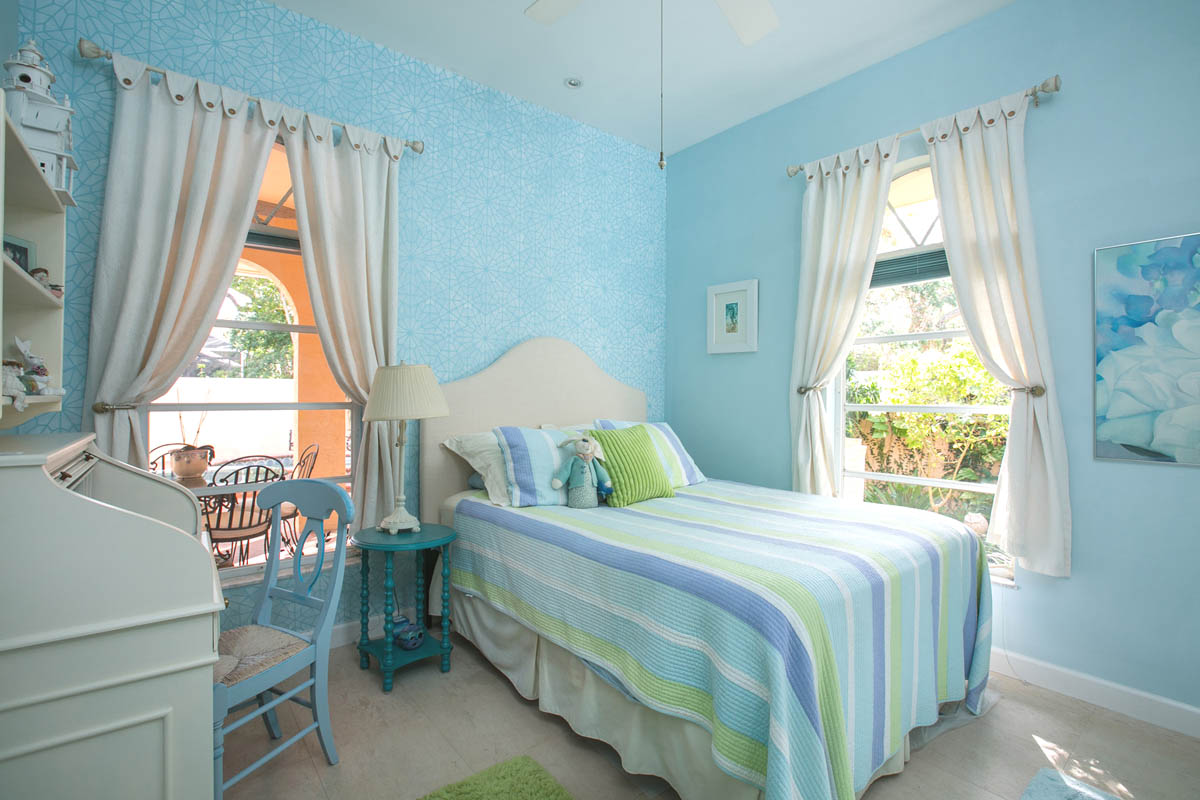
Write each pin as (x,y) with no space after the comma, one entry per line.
(531,457)
(680,468)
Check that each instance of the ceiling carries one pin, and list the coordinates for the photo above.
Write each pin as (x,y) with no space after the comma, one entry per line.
(713,82)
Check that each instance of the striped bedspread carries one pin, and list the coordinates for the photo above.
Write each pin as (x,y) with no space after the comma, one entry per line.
(808,635)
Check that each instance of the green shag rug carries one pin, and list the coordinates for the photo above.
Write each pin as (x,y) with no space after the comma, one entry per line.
(519,778)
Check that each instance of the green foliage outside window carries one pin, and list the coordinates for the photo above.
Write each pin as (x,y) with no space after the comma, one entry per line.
(257,354)
(269,354)
(925,372)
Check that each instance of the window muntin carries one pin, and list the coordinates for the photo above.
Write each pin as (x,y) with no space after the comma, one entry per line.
(912,219)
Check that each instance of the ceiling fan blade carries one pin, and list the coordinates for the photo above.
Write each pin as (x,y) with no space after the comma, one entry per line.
(751,20)
(548,12)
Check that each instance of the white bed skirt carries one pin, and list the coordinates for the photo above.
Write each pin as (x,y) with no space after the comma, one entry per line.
(649,742)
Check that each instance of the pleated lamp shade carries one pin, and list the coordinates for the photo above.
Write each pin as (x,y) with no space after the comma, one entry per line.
(407,391)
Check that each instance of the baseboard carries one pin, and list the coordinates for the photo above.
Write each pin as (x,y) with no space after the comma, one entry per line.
(349,631)
(1152,708)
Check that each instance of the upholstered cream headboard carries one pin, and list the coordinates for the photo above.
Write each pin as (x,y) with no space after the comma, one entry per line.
(541,381)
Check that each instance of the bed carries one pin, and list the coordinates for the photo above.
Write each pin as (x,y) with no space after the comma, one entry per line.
(739,642)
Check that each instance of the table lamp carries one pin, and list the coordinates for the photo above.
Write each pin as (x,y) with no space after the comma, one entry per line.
(404,392)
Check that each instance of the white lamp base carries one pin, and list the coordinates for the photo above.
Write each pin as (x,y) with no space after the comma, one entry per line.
(399,520)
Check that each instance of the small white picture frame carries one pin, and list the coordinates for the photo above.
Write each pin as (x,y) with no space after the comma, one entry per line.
(733,317)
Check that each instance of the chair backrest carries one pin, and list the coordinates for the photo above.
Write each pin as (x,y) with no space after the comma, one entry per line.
(317,501)
(306,462)
(236,515)
(160,457)
(248,469)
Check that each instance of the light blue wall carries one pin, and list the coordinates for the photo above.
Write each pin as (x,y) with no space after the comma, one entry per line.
(516,222)
(1111,159)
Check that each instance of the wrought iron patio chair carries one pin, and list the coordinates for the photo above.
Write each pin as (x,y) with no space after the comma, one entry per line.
(233,518)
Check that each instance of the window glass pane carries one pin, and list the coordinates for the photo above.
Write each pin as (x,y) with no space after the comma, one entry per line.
(911,308)
(912,219)
(893,236)
(315,382)
(237,353)
(277,181)
(256,295)
(955,447)
(924,372)
(972,508)
(275,434)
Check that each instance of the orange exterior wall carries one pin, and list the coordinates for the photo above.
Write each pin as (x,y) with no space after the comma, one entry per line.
(315,383)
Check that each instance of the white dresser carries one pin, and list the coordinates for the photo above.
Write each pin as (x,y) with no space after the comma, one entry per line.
(109,618)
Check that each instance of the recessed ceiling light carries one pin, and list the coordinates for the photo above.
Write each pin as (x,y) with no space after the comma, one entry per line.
(572,83)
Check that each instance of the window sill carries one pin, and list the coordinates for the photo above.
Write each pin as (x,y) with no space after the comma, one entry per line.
(1004,582)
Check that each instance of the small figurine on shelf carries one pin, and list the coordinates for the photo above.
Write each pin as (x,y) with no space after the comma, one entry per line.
(36,377)
(13,387)
(41,275)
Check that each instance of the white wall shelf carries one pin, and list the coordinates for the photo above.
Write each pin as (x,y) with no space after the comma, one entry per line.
(21,288)
(31,211)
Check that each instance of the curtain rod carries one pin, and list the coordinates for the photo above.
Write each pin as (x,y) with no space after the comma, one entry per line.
(1048,86)
(89,49)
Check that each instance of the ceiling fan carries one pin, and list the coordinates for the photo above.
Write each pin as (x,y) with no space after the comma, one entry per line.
(751,20)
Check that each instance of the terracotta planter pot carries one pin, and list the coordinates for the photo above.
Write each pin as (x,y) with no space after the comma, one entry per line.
(191,462)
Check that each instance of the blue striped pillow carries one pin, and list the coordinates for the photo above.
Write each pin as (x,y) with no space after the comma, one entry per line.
(680,468)
(531,457)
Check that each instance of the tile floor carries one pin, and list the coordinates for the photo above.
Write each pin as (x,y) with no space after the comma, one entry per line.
(435,729)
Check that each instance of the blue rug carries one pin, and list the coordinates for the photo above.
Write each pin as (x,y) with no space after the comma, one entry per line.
(1050,784)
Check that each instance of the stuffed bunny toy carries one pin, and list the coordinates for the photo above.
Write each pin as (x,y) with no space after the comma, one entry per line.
(582,473)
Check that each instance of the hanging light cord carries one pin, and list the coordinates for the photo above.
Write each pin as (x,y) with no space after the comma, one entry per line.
(662,162)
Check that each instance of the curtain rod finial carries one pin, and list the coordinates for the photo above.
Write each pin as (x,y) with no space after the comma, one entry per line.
(793,170)
(89,49)
(1051,84)
(418,147)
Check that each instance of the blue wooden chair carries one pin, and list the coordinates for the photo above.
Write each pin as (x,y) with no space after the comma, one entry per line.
(255,658)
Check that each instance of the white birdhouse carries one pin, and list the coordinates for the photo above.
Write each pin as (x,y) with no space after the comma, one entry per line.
(43,123)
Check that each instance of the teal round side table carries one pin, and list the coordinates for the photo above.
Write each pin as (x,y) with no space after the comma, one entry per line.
(389,656)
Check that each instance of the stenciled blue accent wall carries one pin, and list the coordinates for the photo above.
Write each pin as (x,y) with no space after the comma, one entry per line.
(1111,159)
(516,222)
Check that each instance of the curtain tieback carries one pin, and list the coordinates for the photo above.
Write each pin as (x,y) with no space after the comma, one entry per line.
(807,389)
(1034,391)
(104,408)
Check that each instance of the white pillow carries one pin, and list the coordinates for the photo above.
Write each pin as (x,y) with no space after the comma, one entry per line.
(482,452)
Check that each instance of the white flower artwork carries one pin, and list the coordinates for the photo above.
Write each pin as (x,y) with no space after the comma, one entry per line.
(1148,351)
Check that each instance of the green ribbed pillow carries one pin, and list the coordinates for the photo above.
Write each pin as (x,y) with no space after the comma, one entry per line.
(633,464)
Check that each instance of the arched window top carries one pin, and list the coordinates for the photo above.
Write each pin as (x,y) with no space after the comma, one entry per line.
(258,295)
(912,220)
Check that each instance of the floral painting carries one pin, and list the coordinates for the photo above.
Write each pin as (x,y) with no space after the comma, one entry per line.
(1148,351)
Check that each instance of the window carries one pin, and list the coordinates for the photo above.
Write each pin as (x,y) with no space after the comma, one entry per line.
(260,385)
(925,422)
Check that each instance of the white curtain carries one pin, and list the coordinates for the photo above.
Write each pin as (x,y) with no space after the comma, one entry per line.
(184,168)
(347,212)
(978,160)
(844,201)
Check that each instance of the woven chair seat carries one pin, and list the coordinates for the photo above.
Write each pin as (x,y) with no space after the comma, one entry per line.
(246,651)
